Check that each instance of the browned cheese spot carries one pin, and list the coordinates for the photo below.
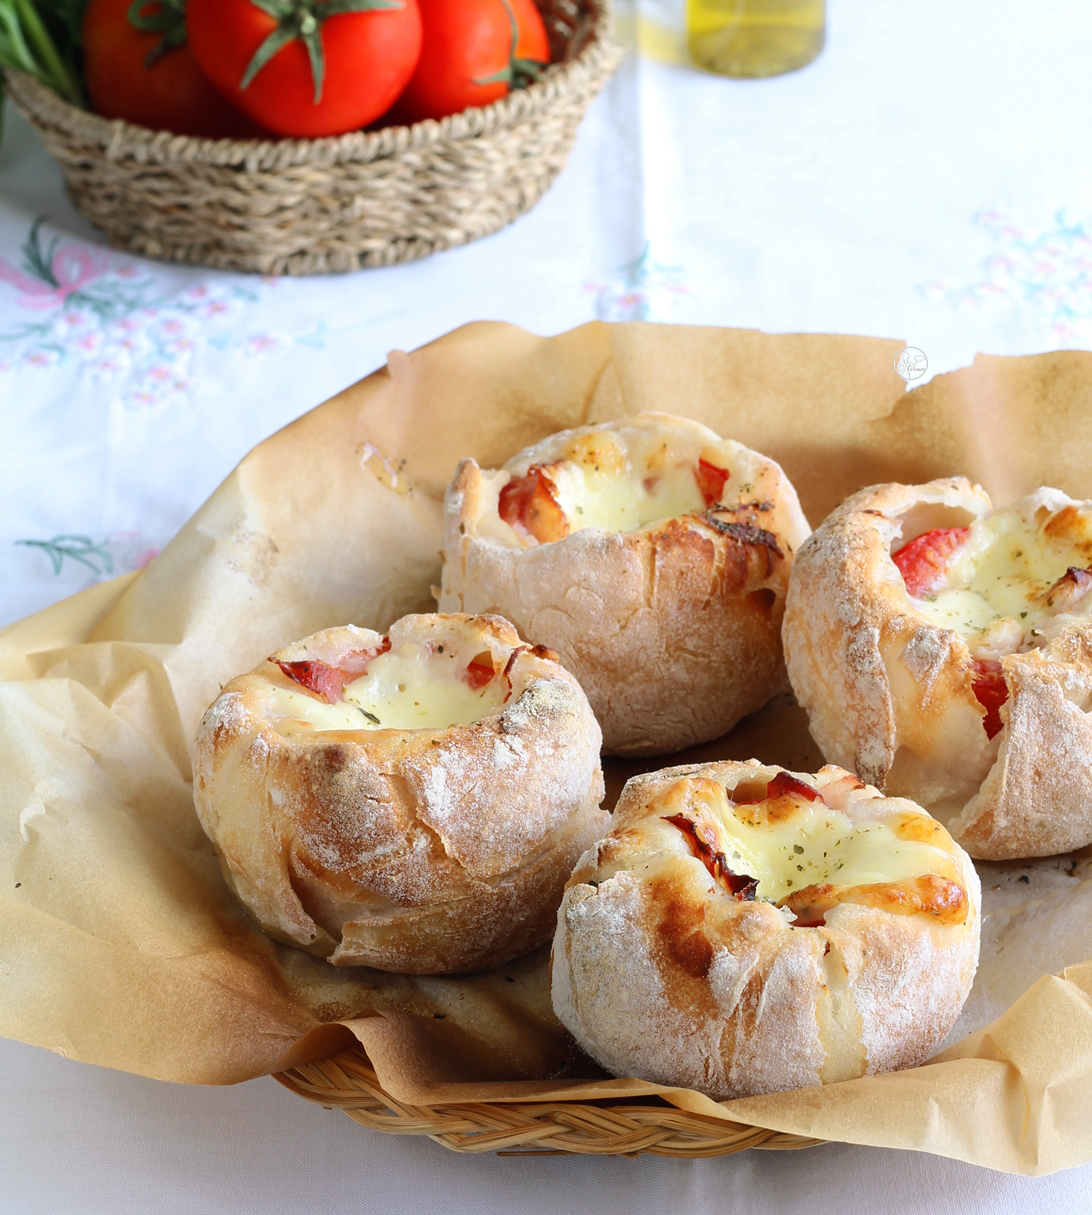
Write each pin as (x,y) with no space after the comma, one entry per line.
(928,894)
(771,810)
(1069,590)
(1063,522)
(919,829)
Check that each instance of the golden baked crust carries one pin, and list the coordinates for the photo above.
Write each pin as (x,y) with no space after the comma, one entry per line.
(892,695)
(660,971)
(672,628)
(439,850)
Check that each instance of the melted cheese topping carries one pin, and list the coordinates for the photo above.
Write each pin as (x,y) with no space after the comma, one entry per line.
(404,689)
(625,480)
(995,591)
(591,498)
(817,844)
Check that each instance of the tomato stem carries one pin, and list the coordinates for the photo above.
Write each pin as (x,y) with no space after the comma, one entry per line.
(167,17)
(303,20)
(517,73)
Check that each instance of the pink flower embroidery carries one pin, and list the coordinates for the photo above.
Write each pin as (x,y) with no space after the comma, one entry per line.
(71,267)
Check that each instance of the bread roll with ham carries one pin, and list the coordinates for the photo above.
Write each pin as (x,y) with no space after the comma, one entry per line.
(745,930)
(412,801)
(943,650)
(651,554)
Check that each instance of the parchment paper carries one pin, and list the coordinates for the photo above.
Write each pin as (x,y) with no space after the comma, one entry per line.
(119,943)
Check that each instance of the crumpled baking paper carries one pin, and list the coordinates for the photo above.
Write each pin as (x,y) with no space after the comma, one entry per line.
(119,943)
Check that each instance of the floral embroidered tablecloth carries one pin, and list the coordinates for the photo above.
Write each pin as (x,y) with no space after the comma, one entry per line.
(901,186)
(925,179)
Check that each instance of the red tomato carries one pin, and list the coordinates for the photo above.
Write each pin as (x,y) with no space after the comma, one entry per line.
(329,681)
(784,784)
(479,671)
(923,561)
(710,480)
(528,502)
(474,52)
(170,95)
(703,844)
(991,692)
(307,74)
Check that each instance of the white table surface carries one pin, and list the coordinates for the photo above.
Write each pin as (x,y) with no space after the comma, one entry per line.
(926,178)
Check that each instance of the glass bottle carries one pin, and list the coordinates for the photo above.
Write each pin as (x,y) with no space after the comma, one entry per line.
(755,37)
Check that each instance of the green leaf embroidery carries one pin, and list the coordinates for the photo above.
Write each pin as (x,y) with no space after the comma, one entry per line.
(80,548)
(39,262)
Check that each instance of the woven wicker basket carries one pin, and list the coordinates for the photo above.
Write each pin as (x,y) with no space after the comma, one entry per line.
(314,206)
(600,1128)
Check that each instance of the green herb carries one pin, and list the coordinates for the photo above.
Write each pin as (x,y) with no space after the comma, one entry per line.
(42,38)
(370,716)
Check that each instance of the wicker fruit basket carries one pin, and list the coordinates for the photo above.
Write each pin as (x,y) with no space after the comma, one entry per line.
(595,1128)
(319,206)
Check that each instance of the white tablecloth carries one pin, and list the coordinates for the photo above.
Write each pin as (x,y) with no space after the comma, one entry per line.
(926,179)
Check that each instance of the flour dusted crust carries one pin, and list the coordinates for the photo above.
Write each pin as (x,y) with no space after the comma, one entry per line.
(894,683)
(658,572)
(688,953)
(437,849)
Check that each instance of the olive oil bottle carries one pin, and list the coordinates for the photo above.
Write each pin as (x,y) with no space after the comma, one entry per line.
(755,37)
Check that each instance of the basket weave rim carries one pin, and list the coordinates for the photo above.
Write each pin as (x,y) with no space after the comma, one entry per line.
(601,1128)
(595,57)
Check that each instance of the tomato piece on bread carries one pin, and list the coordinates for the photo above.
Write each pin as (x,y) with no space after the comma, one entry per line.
(710,480)
(327,680)
(991,692)
(923,561)
(529,503)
